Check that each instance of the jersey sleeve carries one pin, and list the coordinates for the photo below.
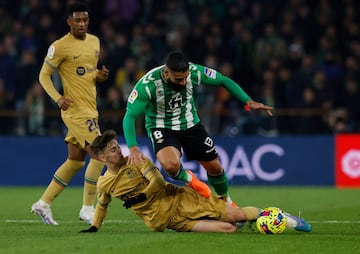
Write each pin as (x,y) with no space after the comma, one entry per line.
(209,76)
(156,180)
(51,62)
(101,209)
(136,104)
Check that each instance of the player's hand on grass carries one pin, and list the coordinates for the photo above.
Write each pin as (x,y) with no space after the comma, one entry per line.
(92,229)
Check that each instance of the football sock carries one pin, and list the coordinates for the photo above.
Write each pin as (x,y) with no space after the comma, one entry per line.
(290,221)
(92,173)
(61,178)
(220,183)
(183,175)
(251,212)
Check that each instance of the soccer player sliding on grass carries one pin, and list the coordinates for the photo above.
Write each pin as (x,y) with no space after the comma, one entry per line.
(160,204)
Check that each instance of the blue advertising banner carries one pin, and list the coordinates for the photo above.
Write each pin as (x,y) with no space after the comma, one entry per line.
(288,160)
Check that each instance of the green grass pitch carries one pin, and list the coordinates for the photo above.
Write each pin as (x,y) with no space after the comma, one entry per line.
(333,213)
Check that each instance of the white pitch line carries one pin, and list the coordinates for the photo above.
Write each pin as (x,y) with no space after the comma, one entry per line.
(71,221)
(139,221)
(335,221)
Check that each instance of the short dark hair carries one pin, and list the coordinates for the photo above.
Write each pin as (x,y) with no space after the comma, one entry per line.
(75,7)
(100,142)
(177,61)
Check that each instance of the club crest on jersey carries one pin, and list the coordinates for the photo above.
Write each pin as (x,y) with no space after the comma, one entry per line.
(133,96)
(51,52)
(80,71)
(211,73)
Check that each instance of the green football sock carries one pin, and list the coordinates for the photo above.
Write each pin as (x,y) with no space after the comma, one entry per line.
(182,175)
(220,183)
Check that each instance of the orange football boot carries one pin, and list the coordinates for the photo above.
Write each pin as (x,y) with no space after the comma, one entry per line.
(199,186)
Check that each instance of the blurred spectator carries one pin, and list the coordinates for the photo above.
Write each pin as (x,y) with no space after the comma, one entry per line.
(324,90)
(269,45)
(227,119)
(282,100)
(147,58)
(295,54)
(137,38)
(153,34)
(267,126)
(309,122)
(175,16)
(8,66)
(5,105)
(339,121)
(112,111)
(126,77)
(307,43)
(27,40)
(349,99)
(195,37)
(119,50)
(6,21)
(127,9)
(27,72)
(331,68)
(243,55)
(35,104)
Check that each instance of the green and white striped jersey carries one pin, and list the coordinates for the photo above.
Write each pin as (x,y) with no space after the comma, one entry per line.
(167,108)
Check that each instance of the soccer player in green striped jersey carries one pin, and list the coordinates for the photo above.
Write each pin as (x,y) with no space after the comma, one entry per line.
(166,96)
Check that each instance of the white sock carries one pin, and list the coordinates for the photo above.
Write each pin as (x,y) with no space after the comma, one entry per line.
(43,203)
(290,221)
(87,207)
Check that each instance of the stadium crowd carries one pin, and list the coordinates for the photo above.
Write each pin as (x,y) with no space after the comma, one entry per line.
(300,56)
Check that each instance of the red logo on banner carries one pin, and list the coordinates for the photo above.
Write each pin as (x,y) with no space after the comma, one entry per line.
(347,160)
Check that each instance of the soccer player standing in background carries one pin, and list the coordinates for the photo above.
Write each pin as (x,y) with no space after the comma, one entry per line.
(76,56)
(166,95)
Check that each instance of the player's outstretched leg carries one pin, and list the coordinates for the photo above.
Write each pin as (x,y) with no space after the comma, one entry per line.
(299,224)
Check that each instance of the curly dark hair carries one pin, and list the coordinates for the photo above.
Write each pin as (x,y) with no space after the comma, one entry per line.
(77,6)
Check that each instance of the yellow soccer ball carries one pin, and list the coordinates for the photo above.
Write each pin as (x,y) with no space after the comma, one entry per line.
(271,220)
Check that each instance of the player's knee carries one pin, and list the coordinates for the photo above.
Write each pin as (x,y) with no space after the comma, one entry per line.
(234,214)
(172,168)
(214,171)
(213,168)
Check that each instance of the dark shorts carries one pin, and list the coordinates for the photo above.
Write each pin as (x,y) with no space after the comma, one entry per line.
(195,142)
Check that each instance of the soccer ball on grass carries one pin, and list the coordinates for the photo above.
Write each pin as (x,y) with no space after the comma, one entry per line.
(271,220)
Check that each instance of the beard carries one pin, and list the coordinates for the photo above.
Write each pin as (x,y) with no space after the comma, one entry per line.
(175,87)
